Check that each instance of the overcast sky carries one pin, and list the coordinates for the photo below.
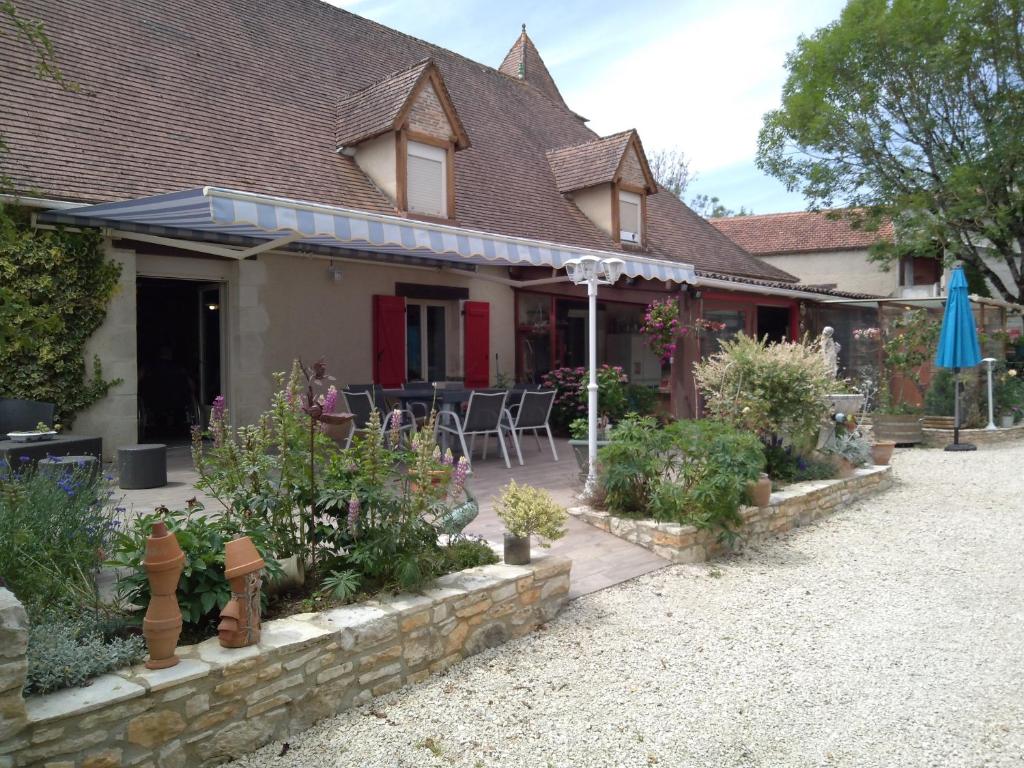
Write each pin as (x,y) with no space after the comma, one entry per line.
(695,75)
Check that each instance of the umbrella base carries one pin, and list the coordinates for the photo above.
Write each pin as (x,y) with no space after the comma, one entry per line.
(961,447)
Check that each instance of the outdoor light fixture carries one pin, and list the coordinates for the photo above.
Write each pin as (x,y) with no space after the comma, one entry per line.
(334,272)
(592,272)
(991,415)
(213,307)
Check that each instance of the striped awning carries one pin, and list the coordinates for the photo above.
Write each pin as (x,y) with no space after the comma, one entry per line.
(263,218)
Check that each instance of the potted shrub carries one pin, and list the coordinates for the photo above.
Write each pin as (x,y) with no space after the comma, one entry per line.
(528,512)
(581,446)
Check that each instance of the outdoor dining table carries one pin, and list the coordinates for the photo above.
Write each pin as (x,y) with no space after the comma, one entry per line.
(441,398)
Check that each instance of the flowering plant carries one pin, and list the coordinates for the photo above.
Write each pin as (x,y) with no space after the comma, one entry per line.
(570,385)
(867,334)
(661,325)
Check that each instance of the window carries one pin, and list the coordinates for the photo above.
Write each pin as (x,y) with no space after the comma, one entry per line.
(427,184)
(425,347)
(629,217)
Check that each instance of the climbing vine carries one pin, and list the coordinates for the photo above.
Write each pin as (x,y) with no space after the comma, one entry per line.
(57,286)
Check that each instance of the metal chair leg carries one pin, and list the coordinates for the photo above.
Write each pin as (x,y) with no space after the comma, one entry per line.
(504,450)
(536,436)
(551,439)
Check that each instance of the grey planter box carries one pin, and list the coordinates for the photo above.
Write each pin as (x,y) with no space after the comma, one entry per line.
(580,449)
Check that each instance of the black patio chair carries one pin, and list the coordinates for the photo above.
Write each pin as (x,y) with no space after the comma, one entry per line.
(532,412)
(484,416)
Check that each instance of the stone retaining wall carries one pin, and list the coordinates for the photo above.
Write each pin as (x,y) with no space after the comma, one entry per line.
(220,703)
(940,438)
(796,505)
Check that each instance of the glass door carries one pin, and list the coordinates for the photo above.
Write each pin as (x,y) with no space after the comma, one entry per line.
(426,341)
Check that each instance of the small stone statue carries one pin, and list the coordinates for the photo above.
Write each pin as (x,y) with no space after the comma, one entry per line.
(830,349)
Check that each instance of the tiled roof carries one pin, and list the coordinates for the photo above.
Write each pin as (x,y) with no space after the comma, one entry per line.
(798,232)
(245,96)
(825,292)
(523,62)
(585,165)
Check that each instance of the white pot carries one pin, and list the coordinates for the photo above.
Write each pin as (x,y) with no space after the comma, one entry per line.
(1006,421)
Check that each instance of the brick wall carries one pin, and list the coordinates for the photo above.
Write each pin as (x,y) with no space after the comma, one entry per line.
(220,703)
(427,116)
(940,438)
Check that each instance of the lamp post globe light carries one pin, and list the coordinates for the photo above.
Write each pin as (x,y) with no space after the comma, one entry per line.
(592,272)
(991,414)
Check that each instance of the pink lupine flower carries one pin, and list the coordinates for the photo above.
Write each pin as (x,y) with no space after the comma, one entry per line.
(449,459)
(353,515)
(219,406)
(396,427)
(330,399)
(461,471)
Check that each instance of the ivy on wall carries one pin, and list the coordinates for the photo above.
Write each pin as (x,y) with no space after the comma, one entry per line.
(56,288)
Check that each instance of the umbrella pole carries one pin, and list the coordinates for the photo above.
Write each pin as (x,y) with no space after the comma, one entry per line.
(956,445)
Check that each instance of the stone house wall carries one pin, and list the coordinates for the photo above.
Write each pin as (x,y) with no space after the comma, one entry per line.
(220,703)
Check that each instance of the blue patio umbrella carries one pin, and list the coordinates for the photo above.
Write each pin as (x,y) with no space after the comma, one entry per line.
(958,345)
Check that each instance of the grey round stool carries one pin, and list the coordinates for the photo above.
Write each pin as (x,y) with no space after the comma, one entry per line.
(142,466)
(57,466)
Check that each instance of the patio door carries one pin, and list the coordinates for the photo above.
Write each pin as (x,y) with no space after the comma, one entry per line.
(426,343)
(211,343)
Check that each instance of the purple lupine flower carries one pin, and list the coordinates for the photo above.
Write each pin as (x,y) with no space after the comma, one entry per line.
(461,471)
(448,460)
(353,515)
(217,412)
(396,428)
(330,399)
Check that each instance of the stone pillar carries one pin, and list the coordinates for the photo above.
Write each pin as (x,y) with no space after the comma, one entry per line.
(115,417)
(250,382)
(13,664)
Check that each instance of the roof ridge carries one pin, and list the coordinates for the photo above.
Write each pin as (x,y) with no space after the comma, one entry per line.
(390,76)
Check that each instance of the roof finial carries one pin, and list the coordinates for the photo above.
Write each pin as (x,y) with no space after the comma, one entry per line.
(524,27)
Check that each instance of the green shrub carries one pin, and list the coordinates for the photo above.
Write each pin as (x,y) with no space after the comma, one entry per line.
(633,465)
(783,465)
(202,590)
(939,399)
(777,391)
(467,553)
(53,531)
(693,472)
(528,511)
(66,652)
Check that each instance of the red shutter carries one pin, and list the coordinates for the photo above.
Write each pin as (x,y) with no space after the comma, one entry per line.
(477,343)
(389,341)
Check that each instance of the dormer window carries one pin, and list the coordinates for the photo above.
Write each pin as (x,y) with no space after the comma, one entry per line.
(427,176)
(630,208)
(609,180)
(403,133)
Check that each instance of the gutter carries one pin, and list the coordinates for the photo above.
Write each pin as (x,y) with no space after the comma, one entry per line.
(729,285)
(40,202)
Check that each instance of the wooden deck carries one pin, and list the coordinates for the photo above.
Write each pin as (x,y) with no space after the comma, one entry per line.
(599,559)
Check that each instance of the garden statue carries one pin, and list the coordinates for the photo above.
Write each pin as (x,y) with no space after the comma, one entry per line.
(830,349)
(240,618)
(162,624)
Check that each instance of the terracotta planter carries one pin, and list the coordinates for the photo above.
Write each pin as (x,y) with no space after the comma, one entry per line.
(759,492)
(844,467)
(161,626)
(240,619)
(517,549)
(881,452)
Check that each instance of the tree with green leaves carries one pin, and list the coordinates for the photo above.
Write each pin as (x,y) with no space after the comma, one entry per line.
(913,111)
(711,207)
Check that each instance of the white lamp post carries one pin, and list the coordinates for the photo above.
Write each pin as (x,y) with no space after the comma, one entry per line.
(991,414)
(592,272)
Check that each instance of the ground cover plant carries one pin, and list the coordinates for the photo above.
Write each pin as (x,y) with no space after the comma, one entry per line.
(55,530)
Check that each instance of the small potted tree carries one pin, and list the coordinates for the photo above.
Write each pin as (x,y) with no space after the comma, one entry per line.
(527,511)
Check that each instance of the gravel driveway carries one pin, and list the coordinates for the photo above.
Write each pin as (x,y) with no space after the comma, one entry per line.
(891,634)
